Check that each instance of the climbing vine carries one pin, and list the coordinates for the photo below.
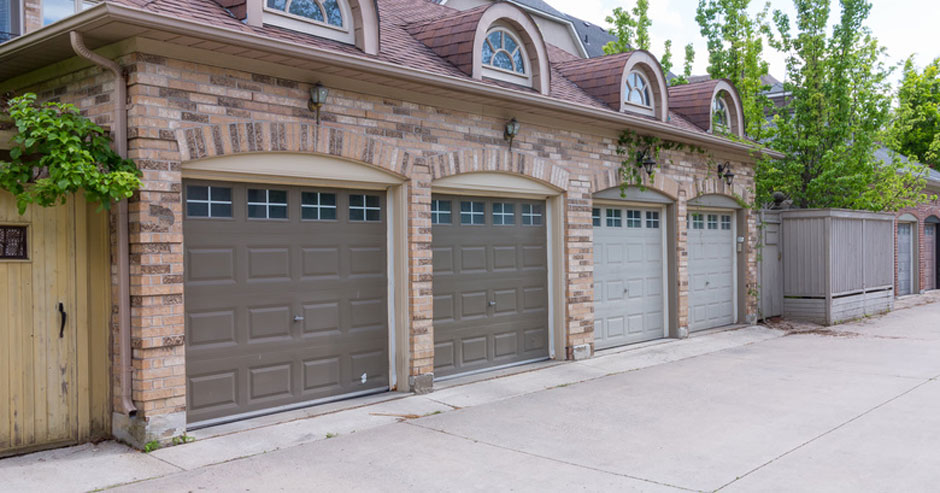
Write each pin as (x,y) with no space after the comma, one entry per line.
(57,152)
(635,149)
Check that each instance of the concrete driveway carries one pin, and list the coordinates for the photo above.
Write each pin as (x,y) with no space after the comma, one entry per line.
(855,408)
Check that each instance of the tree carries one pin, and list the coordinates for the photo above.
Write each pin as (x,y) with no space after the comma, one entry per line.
(628,28)
(839,105)
(915,131)
(735,52)
(57,152)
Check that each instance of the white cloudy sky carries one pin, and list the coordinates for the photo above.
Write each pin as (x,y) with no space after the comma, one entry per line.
(902,26)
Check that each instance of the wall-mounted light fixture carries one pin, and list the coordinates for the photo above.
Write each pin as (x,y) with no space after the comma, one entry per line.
(318,95)
(511,130)
(644,159)
(724,171)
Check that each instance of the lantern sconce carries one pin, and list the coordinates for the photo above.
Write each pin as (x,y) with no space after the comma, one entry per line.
(318,95)
(644,159)
(511,130)
(724,171)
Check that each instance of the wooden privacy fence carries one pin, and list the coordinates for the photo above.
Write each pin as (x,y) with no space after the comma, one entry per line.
(826,265)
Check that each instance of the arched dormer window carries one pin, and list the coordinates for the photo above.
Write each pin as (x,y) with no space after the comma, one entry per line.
(720,117)
(347,21)
(504,57)
(638,90)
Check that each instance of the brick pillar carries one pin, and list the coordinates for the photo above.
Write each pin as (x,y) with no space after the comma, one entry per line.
(422,271)
(579,275)
(682,264)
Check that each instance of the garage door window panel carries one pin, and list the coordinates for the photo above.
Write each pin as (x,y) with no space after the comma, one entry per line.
(726,223)
(264,203)
(652,219)
(208,202)
(472,213)
(531,215)
(318,206)
(365,208)
(440,212)
(504,214)
(634,219)
(596,217)
(713,221)
(614,219)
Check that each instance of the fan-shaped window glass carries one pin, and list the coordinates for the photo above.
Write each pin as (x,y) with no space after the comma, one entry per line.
(720,117)
(638,90)
(327,12)
(502,50)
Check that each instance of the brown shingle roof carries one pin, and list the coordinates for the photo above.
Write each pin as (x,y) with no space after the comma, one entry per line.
(600,77)
(694,101)
(451,37)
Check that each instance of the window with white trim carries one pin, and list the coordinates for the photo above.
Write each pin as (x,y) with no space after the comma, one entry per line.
(56,10)
(504,213)
(503,56)
(440,212)
(613,218)
(365,208)
(726,223)
(318,206)
(531,214)
(634,219)
(713,221)
(652,219)
(596,216)
(207,201)
(698,221)
(638,90)
(472,212)
(720,118)
(325,18)
(264,203)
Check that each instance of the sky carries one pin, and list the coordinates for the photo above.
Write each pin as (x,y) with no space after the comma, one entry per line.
(902,26)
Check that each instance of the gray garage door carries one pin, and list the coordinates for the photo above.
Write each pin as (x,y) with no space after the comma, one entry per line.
(905,259)
(286,298)
(628,275)
(711,269)
(930,256)
(490,283)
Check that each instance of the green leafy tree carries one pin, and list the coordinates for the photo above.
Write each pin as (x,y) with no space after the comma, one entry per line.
(686,67)
(839,105)
(57,152)
(915,131)
(631,28)
(735,41)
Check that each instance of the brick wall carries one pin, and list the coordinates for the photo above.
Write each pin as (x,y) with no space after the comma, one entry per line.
(180,111)
(921,212)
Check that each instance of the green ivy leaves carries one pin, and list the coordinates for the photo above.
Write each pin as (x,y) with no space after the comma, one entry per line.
(57,152)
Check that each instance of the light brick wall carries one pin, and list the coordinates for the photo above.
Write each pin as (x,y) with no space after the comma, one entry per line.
(181,111)
(32,15)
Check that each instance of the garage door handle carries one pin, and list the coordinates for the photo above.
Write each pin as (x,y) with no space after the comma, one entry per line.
(298,318)
(64,316)
(492,303)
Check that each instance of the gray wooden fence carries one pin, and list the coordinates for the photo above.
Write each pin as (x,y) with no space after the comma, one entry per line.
(826,265)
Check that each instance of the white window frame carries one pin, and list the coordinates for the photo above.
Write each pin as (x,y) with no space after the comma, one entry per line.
(504,75)
(282,18)
(711,219)
(634,218)
(319,206)
(698,220)
(652,219)
(725,221)
(614,218)
(596,220)
(726,126)
(636,107)
(79,5)
(365,208)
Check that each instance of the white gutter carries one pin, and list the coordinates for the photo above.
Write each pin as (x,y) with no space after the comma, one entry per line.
(156,21)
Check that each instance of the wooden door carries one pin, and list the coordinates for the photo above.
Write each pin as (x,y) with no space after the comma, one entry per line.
(38,349)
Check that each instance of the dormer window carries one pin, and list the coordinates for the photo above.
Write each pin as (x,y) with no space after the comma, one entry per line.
(638,90)
(720,118)
(504,57)
(325,18)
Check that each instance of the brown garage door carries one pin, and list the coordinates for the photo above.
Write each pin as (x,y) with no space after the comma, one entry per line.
(490,283)
(286,297)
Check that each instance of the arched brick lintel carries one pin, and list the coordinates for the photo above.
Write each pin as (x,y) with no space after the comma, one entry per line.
(602,180)
(500,161)
(252,137)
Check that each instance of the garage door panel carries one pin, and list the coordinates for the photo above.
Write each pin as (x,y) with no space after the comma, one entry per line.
(628,276)
(711,270)
(490,284)
(247,280)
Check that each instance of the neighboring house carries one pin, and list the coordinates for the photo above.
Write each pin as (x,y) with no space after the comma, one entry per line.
(453,206)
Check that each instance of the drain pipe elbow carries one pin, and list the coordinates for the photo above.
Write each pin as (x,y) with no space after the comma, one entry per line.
(119,137)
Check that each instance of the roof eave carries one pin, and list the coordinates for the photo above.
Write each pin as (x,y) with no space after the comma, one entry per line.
(122,13)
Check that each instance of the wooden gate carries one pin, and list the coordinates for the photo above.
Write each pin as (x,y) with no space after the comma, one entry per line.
(54,310)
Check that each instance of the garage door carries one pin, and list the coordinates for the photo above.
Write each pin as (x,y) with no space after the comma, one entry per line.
(490,283)
(711,269)
(628,275)
(930,256)
(905,259)
(286,297)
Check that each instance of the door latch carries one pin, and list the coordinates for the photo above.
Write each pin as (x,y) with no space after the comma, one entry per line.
(64,316)
(492,303)
(298,318)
